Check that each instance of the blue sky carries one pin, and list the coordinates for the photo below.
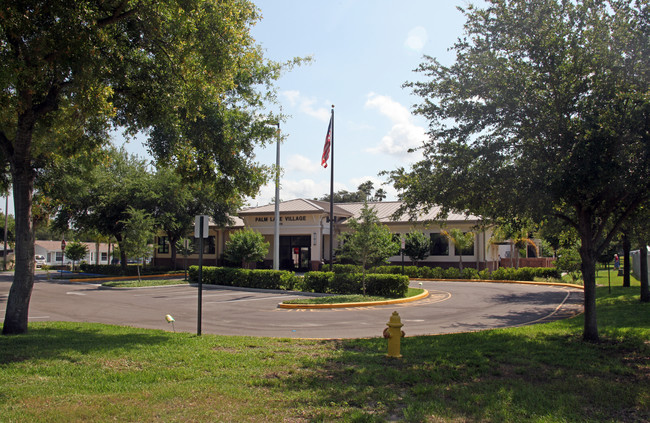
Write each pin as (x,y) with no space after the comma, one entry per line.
(363,51)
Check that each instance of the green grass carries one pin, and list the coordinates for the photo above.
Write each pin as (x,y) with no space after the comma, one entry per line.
(134,283)
(340,299)
(61,372)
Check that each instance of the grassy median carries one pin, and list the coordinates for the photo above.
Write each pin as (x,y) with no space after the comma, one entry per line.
(63,372)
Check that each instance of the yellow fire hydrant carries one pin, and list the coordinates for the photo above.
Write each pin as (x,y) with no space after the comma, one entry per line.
(394,334)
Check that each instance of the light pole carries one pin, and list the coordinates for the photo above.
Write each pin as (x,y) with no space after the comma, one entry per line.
(276,230)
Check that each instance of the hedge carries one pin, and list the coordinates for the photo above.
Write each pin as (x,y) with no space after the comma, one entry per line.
(116,270)
(389,286)
(245,278)
(342,268)
(318,281)
(503,273)
(380,285)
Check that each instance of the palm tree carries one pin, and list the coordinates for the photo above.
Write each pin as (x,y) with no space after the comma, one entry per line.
(461,240)
(517,236)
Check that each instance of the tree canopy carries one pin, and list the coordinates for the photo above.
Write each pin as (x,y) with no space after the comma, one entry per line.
(545,112)
(246,246)
(188,74)
(363,193)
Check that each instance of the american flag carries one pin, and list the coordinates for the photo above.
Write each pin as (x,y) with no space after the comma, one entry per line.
(328,143)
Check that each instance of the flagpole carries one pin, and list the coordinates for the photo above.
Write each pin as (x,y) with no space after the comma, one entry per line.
(332,194)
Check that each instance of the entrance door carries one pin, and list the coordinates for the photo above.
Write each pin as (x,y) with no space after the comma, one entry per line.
(295,253)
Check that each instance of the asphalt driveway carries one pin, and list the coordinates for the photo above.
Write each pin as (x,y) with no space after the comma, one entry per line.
(451,307)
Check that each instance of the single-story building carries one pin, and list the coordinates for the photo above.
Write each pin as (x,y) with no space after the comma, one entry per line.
(54,255)
(305,235)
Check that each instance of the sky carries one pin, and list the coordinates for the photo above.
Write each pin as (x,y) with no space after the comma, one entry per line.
(362,52)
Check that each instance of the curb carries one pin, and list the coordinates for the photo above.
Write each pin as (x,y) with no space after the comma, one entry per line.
(568,285)
(362,304)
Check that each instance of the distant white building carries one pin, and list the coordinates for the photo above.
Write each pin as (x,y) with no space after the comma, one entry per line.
(54,255)
(636,262)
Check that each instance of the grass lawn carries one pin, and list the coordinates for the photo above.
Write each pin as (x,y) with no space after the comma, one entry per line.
(63,372)
(134,283)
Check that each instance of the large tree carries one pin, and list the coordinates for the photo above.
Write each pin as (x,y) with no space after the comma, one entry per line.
(98,197)
(545,112)
(69,70)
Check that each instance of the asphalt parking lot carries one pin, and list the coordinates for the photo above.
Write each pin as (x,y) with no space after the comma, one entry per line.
(451,307)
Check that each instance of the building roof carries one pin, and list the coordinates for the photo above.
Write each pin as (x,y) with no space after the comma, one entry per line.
(299,205)
(385,210)
(56,245)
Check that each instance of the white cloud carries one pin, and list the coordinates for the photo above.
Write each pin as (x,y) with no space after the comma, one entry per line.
(306,105)
(388,107)
(300,163)
(416,39)
(403,135)
(292,96)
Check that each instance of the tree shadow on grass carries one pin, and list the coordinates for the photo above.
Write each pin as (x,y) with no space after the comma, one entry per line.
(48,340)
(487,376)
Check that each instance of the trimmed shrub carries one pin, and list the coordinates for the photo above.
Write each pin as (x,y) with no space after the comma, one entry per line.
(116,270)
(245,278)
(469,273)
(271,279)
(390,286)
(318,281)
(452,273)
(387,270)
(524,273)
(342,268)
(485,274)
(346,283)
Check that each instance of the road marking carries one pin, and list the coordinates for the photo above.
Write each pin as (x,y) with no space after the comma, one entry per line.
(74,293)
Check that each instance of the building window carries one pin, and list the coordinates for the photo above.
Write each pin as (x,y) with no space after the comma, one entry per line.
(208,245)
(163,245)
(469,251)
(104,256)
(59,256)
(439,245)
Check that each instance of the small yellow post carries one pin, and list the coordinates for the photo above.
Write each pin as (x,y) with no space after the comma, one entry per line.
(394,334)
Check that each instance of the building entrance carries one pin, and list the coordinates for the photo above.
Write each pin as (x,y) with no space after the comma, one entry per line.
(295,253)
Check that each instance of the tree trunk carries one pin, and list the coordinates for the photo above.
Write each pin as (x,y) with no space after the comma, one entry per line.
(626,260)
(645,290)
(588,256)
(17,310)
